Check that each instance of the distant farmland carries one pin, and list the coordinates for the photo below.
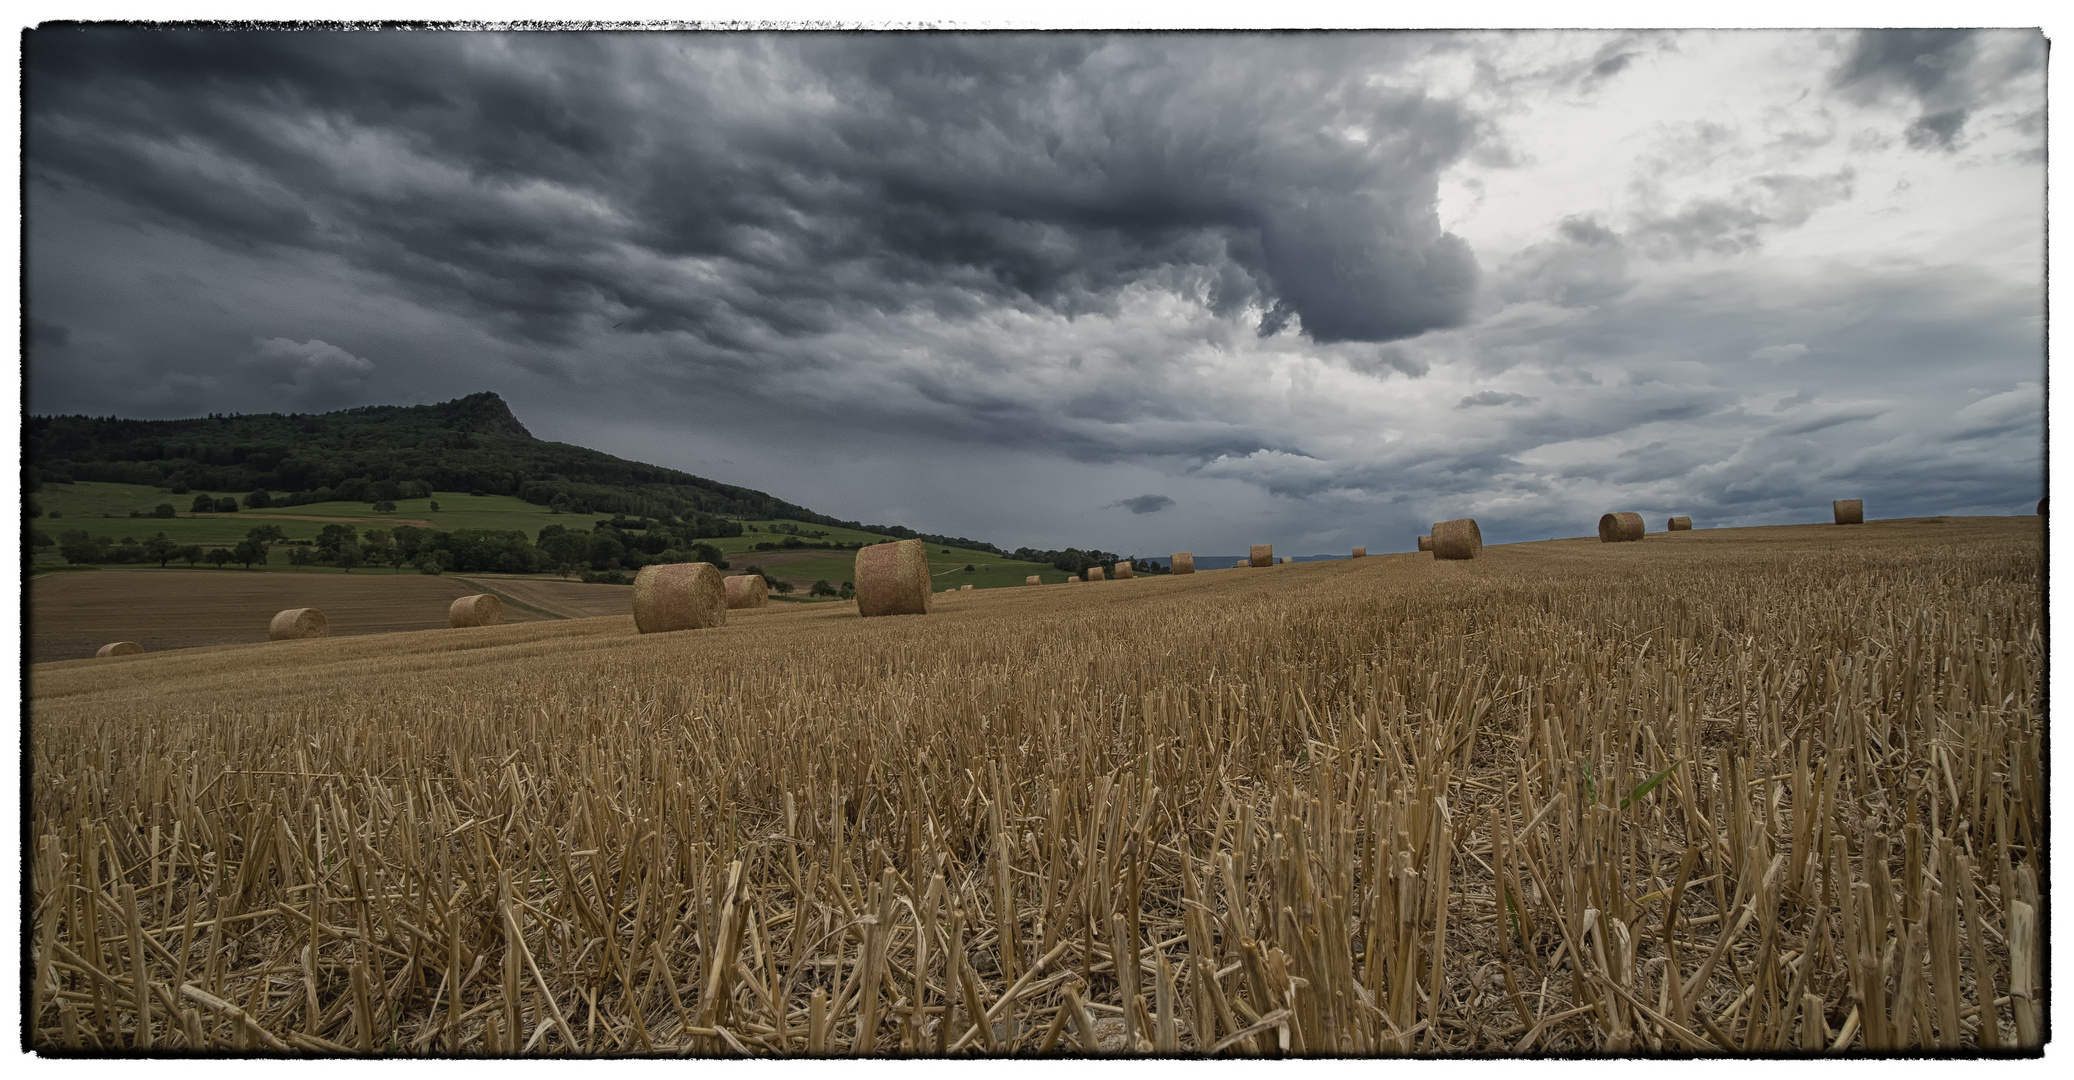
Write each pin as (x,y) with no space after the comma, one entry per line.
(1717,791)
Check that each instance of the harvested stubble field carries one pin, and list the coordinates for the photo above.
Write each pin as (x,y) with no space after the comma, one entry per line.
(72,614)
(1719,791)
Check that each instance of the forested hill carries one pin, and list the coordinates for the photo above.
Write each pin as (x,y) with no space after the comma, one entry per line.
(468,444)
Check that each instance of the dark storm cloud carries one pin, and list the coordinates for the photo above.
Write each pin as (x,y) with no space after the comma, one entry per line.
(736,190)
(1946,71)
(1144,504)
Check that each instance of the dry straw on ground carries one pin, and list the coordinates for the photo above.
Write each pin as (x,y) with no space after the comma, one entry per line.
(119,648)
(1849,511)
(1262,555)
(482,609)
(1096,573)
(893,579)
(1426,541)
(679,596)
(1457,539)
(1764,792)
(964,588)
(1033,579)
(1123,571)
(302,622)
(746,591)
(1679,524)
(1620,528)
(1184,562)
(1360,553)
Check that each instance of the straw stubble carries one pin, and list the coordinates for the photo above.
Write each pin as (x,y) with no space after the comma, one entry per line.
(1661,800)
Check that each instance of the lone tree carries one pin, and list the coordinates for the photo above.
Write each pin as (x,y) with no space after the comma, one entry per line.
(249,551)
(821,588)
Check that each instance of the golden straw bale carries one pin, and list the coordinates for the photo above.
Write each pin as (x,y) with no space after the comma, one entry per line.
(679,596)
(964,588)
(1096,573)
(302,622)
(119,648)
(1262,555)
(893,579)
(1033,580)
(1426,541)
(1123,571)
(1620,528)
(747,591)
(1680,524)
(1184,562)
(1360,553)
(482,609)
(1849,511)
(1457,539)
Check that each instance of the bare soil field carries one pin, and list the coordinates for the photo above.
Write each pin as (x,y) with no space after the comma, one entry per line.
(1752,791)
(72,614)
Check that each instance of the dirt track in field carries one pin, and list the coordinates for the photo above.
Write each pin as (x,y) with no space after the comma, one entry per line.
(72,614)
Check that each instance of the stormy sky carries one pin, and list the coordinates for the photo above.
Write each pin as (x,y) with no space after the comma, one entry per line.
(1144,293)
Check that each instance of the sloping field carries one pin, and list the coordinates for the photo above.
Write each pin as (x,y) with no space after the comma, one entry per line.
(1727,791)
(71,615)
(568,599)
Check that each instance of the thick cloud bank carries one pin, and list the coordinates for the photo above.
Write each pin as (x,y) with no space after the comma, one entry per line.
(1312,285)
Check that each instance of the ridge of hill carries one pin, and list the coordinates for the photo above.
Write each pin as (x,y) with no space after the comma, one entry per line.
(388,452)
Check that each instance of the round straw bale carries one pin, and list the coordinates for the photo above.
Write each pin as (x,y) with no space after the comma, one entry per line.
(119,648)
(1184,561)
(482,609)
(1426,541)
(747,591)
(1679,524)
(893,579)
(1457,539)
(1033,580)
(1096,573)
(1284,561)
(679,596)
(964,588)
(1123,571)
(1620,528)
(1360,553)
(1849,511)
(301,622)
(1262,555)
